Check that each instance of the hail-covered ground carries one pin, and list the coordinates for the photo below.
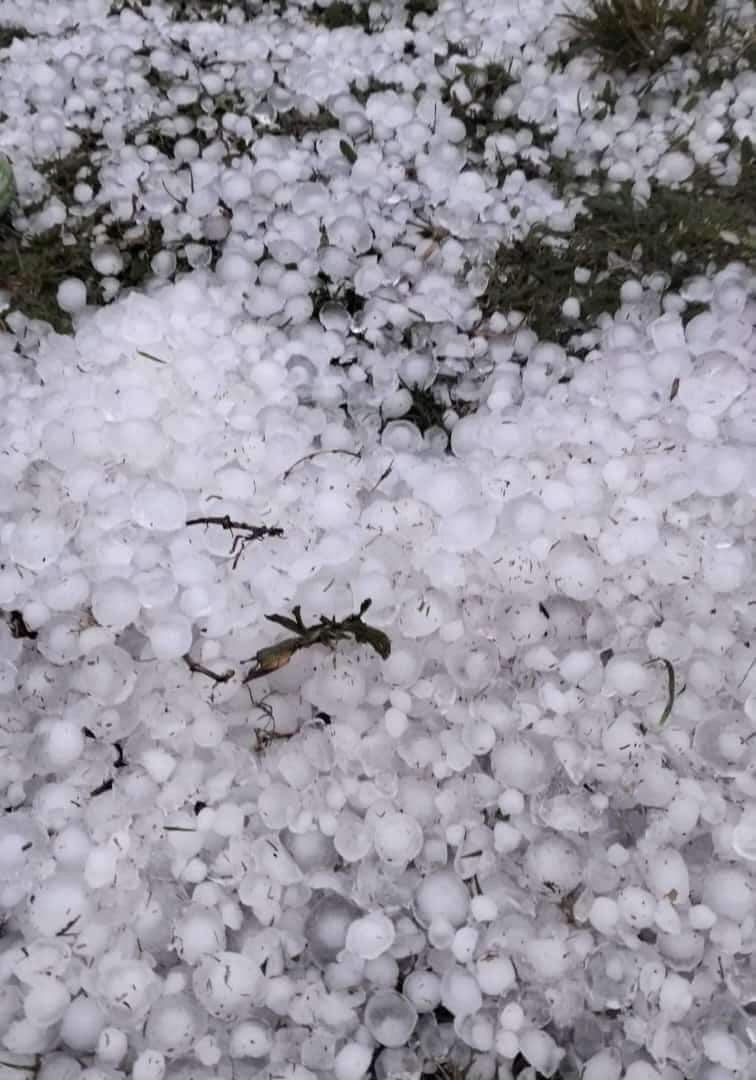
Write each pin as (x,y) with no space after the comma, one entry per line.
(265,351)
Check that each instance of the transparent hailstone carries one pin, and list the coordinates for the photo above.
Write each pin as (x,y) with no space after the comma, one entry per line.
(327,924)
(472,664)
(24,848)
(554,864)
(611,977)
(722,742)
(390,1018)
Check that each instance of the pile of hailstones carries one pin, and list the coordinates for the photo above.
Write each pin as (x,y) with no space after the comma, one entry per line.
(523,840)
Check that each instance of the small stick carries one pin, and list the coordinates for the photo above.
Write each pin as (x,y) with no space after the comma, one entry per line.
(200,669)
(317,453)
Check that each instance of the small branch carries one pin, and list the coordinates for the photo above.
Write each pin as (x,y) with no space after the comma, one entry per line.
(243,533)
(17,625)
(200,669)
(317,453)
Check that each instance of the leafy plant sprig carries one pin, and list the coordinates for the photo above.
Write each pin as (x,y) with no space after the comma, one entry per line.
(325,632)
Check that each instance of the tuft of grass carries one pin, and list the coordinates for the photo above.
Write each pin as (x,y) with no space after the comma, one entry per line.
(486,84)
(340,13)
(680,232)
(10,33)
(632,35)
(363,88)
(297,124)
(420,7)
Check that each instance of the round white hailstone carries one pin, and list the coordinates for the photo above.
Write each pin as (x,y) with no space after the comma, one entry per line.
(675,997)
(390,1018)
(520,764)
(352,1061)
(604,914)
(495,974)
(128,991)
(115,604)
(198,931)
(159,507)
(107,260)
(233,267)
(23,847)
(396,722)
(72,295)
(174,1024)
(327,926)
(460,992)
(637,906)
(100,867)
(46,1001)
(725,566)
(60,904)
(423,989)
(667,875)
(106,674)
(539,1050)
(112,1046)
(472,665)
(716,382)
(228,985)
(235,188)
(720,472)
(625,676)
(171,637)
(398,838)
(744,835)
(605,1065)
(36,541)
(370,936)
(64,743)
(252,1039)
(641,1070)
(724,1049)
(442,895)
(574,571)
(150,1065)
(554,864)
(571,308)
(728,892)
(82,1023)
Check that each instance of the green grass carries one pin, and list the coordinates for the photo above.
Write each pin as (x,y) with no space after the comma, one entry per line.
(9,34)
(680,232)
(643,35)
(341,13)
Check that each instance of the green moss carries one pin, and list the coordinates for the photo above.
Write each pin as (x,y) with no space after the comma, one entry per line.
(364,88)
(297,124)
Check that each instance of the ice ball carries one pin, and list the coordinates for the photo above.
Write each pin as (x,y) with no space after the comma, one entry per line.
(390,1018)
(398,838)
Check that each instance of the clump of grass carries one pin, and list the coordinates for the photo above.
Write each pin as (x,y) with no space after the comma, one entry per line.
(486,84)
(420,7)
(363,89)
(633,35)
(9,34)
(680,232)
(340,13)
(296,124)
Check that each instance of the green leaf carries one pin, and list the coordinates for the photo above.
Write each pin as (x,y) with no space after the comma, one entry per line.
(348,151)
